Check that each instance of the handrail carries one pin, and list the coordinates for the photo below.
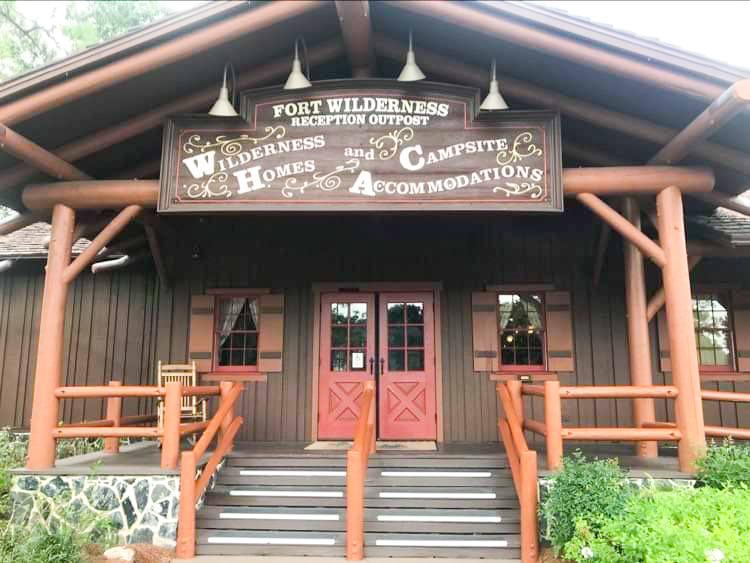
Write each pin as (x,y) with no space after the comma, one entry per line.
(523,466)
(192,488)
(105,391)
(356,470)
(554,432)
(726,431)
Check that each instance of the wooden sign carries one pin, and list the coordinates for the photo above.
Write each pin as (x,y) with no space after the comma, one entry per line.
(357,145)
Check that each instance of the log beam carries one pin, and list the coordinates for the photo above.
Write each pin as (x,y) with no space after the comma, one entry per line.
(589,113)
(356,29)
(536,38)
(621,180)
(624,227)
(201,100)
(20,221)
(96,194)
(155,57)
(733,100)
(23,149)
(657,300)
(155,247)
(107,234)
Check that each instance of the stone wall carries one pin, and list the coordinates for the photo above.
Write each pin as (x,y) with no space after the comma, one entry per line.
(143,508)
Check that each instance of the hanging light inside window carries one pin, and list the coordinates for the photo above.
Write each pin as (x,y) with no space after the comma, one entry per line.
(297,79)
(223,107)
(494,100)
(411,72)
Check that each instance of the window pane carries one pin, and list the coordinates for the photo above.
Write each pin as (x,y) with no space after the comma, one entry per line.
(224,358)
(415,336)
(522,356)
(338,360)
(338,337)
(395,313)
(237,357)
(339,313)
(705,339)
(358,337)
(535,340)
(507,357)
(396,336)
(722,357)
(707,357)
(251,357)
(358,313)
(415,360)
(396,360)
(415,313)
(251,340)
(536,358)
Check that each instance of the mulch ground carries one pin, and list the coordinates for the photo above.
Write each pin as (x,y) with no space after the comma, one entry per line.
(144,553)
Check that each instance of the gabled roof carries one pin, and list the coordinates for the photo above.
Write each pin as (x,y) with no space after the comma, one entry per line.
(29,242)
(262,58)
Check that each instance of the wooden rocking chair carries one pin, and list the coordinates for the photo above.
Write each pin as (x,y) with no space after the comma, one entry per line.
(193,409)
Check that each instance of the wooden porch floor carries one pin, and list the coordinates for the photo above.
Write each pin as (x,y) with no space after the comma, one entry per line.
(143,458)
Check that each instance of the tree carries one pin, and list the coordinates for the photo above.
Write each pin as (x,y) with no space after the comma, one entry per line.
(26,44)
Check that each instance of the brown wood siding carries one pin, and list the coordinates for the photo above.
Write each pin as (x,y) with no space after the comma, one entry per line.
(119,324)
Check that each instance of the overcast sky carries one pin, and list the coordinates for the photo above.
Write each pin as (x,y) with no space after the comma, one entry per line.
(714,29)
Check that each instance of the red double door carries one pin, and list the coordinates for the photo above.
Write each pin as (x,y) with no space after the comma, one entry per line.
(386,337)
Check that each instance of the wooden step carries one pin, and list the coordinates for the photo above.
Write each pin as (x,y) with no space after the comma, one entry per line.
(278,543)
(456,521)
(504,546)
(271,518)
(449,477)
(248,495)
(281,476)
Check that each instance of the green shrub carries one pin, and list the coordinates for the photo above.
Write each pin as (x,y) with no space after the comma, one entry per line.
(593,490)
(679,526)
(723,465)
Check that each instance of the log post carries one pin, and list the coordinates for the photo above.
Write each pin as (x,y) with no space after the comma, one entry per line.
(49,363)
(114,413)
(355,509)
(224,388)
(639,347)
(553,422)
(186,522)
(683,353)
(529,532)
(170,443)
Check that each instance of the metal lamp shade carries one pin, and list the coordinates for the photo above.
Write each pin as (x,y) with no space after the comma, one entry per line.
(411,71)
(494,100)
(297,79)
(222,106)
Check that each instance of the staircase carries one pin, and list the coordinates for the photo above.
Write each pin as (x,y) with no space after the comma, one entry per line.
(427,504)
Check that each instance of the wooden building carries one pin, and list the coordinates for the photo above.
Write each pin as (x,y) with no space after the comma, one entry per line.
(310,288)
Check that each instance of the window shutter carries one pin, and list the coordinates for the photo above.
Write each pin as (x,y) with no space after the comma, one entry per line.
(559,319)
(665,363)
(484,330)
(271,341)
(741,327)
(201,340)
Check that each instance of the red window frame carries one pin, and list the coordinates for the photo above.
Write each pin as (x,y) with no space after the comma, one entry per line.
(216,355)
(522,367)
(731,358)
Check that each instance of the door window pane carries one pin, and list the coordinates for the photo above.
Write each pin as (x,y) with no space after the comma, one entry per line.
(396,360)
(415,360)
(358,336)
(415,336)
(358,313)
(339,313)
(396,336)
(338,360)
(338,337)
(395,313)
(415,313)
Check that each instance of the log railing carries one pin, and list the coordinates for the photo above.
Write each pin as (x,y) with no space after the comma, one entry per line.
(116,426)
(523,466)
(726,431)
(356,471)
(554,432)
(193,485)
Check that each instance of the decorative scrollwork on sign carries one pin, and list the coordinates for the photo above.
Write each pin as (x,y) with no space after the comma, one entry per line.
(534,191)
(326,182)
(209,188)
(230,146)
(519,151)
(395,139)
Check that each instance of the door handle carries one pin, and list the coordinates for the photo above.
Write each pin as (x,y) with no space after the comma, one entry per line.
(372,362)
(382,366)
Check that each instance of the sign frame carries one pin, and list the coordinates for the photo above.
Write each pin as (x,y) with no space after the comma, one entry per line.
(473,119)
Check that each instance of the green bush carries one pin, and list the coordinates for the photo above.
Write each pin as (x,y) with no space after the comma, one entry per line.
(595,491)
(724,465)
(679,526)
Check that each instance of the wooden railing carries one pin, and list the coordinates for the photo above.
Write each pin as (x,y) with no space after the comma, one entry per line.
(356,471)
(116,426)
(726,431)
(192,488)
(523,466)
(554,432)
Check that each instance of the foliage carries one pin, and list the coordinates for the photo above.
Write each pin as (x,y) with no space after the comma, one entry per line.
(27,43)
(593,490)
(723,465)
(685,525)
